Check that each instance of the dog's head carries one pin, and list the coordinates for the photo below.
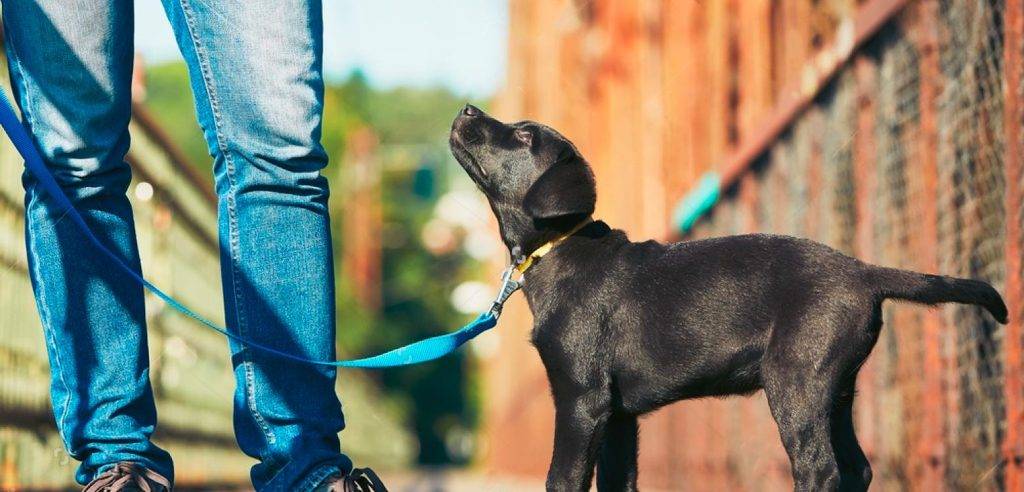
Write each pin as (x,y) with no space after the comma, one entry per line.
(535,179)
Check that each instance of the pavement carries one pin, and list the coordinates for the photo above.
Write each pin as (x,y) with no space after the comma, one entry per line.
(425,480)
(442,480)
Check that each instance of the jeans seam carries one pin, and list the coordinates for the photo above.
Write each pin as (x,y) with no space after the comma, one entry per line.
(14,65)
(247,365)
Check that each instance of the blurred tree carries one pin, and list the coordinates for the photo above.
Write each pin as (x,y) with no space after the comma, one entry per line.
(169,96)
(412,126)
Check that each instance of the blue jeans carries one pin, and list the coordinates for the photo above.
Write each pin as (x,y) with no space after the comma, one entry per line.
(255,68)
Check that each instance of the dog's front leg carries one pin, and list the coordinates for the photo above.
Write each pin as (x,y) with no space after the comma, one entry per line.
(579,426)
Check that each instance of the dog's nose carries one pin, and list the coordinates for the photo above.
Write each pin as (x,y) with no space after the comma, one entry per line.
(471,110)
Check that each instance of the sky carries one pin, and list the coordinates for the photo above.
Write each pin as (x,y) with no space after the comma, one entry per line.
(460,44)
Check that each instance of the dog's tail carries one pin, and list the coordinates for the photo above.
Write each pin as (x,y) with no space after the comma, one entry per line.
(891,283)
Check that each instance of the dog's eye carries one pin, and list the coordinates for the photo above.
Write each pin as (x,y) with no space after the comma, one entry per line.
(524,136)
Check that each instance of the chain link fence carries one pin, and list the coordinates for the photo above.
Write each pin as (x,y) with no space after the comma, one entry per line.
(888,129)
(853,172)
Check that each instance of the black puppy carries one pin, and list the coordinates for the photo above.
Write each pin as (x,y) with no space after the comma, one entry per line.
(624,328)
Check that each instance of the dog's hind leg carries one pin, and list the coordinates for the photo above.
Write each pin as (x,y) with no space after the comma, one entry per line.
(616,466)
(811,359)
(854,469)
(801,394)
(803,419)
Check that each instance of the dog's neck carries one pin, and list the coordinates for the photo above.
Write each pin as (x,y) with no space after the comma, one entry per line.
(550,283)
(586,245)
(523,236)
(523,262)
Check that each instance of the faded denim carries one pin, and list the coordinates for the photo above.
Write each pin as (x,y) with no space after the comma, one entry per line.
(256,74)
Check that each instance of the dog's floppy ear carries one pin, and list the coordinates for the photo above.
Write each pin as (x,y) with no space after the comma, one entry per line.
(566,188)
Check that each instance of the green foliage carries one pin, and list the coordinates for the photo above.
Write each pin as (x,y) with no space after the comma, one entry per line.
(413,116)
(169,98)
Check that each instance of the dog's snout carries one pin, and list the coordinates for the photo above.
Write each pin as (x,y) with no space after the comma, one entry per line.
(466,126)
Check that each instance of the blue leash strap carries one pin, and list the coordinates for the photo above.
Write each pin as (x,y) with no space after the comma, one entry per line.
(422,351)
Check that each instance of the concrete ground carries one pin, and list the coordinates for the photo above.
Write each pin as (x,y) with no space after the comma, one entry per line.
(457,481)
(438,480)
(445,480)
(426,480)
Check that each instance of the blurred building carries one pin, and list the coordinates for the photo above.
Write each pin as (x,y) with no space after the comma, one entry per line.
(362,219)
(888,129)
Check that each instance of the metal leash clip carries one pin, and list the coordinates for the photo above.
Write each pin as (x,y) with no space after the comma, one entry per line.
(508,287)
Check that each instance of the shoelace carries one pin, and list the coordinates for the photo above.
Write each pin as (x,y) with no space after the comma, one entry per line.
(124,475)
(358,480)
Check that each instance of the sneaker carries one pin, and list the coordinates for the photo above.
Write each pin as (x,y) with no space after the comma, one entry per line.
(129,477)
(358,480)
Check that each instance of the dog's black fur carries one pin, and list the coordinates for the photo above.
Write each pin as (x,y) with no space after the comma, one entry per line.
(624,328)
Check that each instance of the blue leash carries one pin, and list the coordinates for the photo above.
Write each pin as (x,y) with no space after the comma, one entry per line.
(422,351)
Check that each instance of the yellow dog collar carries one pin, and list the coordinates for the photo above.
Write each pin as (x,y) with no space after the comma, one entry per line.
(525,265)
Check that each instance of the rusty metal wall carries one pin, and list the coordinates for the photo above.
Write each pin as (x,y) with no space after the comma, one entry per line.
(890,130)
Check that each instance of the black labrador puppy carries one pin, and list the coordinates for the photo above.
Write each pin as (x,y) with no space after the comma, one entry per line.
(625,327)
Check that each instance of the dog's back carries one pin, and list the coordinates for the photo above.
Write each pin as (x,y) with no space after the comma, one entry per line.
(695,318)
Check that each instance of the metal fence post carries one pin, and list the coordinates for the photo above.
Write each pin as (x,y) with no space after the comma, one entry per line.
(931,451)
(865,72)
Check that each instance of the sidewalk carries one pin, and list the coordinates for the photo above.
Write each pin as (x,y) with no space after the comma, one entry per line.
(437,480)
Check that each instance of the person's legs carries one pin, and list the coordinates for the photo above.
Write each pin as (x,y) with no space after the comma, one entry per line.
(70,65)
(255,67)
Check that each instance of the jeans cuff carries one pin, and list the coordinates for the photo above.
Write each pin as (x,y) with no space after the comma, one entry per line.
(318,476)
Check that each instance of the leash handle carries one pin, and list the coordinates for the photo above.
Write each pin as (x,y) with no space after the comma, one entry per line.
(422,351)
